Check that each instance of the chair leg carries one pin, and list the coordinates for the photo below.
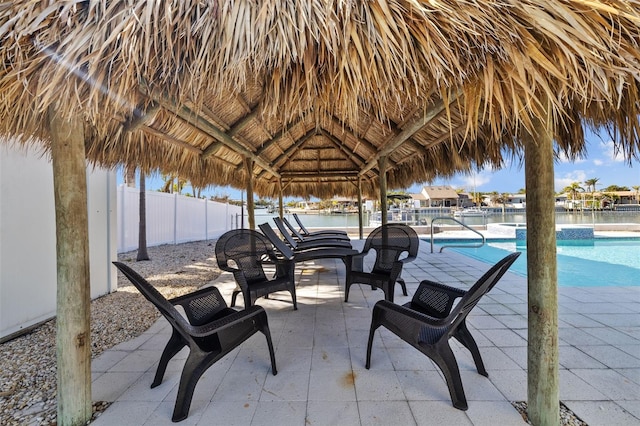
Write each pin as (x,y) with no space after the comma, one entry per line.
(267,333)
(194,367)
(388,289)
(444,357)
(174,345)
(403,285)
(372,331)
(463,335)
(347,287)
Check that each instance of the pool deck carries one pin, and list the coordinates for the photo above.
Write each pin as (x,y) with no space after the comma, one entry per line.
(321,347)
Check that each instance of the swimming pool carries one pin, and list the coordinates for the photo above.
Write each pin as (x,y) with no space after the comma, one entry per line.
(581,263)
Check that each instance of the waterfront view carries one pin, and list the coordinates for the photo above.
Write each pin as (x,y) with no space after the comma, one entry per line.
(342,221)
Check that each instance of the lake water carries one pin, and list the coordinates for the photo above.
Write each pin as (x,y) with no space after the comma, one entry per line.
(341,221)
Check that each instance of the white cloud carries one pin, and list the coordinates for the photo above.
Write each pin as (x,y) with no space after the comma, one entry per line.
(598,162)
(610,152)
(476,180)
(567,179)
(563,159)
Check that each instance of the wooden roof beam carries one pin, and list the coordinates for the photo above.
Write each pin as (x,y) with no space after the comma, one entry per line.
(323,174)
(170,139)
(439,140)
(366,143)
(201,123)
(352,156)
(292,149)
(411,128)
(140,118)
(280,135)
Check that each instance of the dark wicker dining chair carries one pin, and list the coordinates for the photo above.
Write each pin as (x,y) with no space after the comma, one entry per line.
(430,320)
(244,252)
(389,242)
(210,330)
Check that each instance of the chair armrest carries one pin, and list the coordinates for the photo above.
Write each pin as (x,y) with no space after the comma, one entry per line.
(408,259)
(225,322)
(225,267)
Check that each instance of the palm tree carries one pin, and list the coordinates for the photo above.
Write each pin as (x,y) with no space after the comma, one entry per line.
(142,227)
(572,191)
(504,197)
(591,186)
(494,197)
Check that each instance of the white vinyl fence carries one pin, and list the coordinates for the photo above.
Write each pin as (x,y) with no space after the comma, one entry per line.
(171,218)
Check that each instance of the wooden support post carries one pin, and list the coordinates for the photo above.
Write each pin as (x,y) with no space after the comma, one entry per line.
(73,332)
(280,199)
(542,360)
(382,167)
(360,230)
(251,211)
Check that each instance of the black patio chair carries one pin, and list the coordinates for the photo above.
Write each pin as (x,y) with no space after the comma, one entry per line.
(428,322)
(311,244)
(244,252)
(389,242)
(300,237)
(210,330)
(304,231)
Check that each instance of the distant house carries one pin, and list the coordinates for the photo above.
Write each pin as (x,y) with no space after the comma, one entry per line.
(516,200)
(436,196)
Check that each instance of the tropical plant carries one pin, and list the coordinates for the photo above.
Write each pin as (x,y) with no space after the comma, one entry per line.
(572,190)
(591,186)
(142,225)
(504,197)
(173,184)
(616,188)
(610,198)
(494,197)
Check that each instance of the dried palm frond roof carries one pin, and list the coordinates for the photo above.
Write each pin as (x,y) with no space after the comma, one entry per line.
(311,94)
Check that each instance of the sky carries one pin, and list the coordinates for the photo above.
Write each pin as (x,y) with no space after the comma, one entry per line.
(601,162)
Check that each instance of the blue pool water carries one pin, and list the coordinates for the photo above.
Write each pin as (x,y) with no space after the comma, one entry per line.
(597,262)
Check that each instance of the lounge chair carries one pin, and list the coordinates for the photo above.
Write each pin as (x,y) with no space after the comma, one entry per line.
(430,320)
(300,255)
(306,232)
(298,236)
(243,252)
(312,244)
(389,242)
(211,330)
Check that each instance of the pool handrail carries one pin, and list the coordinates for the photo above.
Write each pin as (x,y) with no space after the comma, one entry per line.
(474,245)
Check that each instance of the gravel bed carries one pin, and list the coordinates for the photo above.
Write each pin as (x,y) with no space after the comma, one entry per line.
(28,362)
(567,417)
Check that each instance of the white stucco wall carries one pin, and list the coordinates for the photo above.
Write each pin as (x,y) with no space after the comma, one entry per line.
(27,238)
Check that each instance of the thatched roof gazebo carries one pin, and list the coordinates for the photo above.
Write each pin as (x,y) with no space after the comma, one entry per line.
(315,98)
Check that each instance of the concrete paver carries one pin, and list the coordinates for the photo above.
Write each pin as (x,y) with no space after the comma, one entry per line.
(321,348)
